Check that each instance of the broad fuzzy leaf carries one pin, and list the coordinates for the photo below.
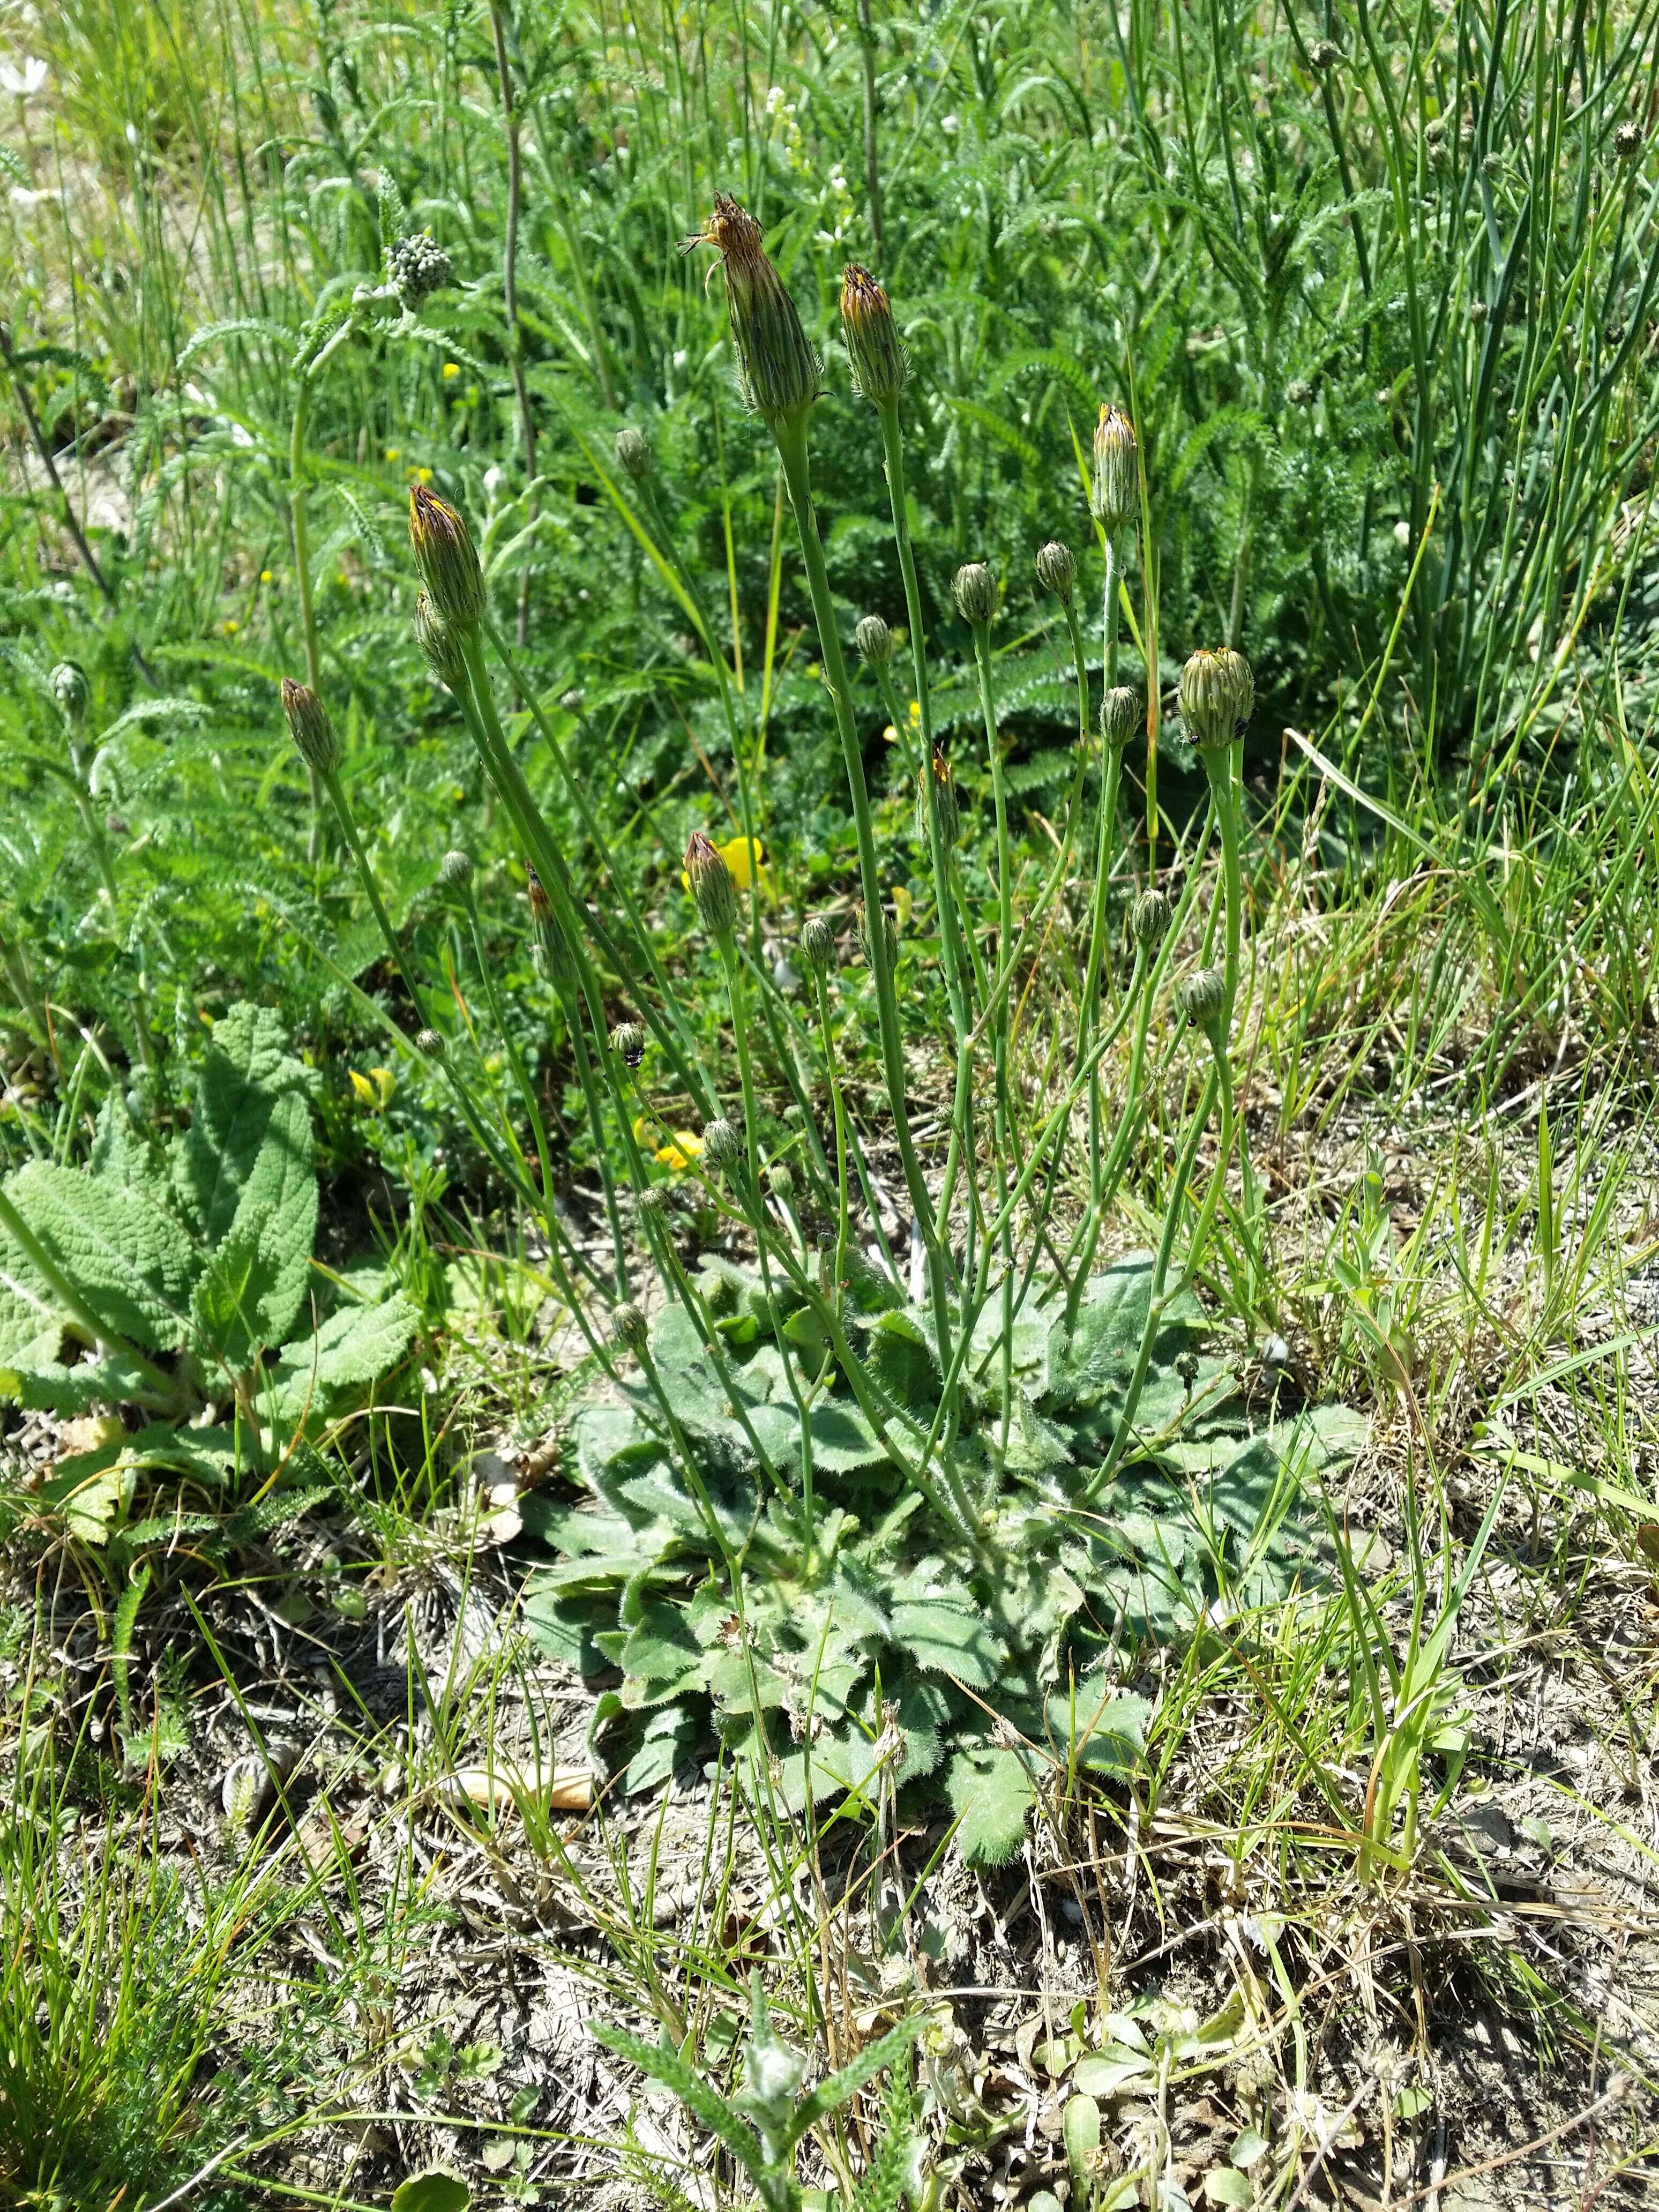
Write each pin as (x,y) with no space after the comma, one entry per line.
(123,1252)
(992,1792)
(352,1347)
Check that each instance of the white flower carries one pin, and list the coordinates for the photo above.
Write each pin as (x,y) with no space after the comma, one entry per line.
(26,81)
(493,481)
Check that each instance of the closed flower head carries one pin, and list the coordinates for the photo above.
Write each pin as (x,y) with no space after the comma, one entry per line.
(417,267)
(777,366)
(1149,919)
(975,590)
(874,640)
(1056,570)
(630,1323)
(712,886)
(309,727)
(1203,998)
(634,453)
(1119,714)
(872,342)
(440,647)
(722,1142)
(818,944)
(1218,692)
(1116,498)
(455,870)
(936,787)
(447,558)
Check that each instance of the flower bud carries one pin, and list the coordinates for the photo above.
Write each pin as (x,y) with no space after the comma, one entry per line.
(1324,55)
(447,558)
(1149,920)
(780,1182)
(1203,997)
(573,701)
(1057,570)
(712,886)
(72,691)
(634,453)
(1120,715)
(777,366)
(1627,143)
(890,936)
(629,1324)
(1218,692)
(722,1142)
(817,944)
(309,727)
(652,1202)
(1299,392)
(431,1045)
(416,267)
(873,342)
(440,647)
(936,785)
(874,642)
(628,1039)
(975,590)
(1116,496)
(455,872)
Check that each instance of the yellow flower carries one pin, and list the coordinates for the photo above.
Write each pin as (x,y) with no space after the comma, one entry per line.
(374,1088)
(902,905)
(265,576)
(915,713)
(394,452)
(686,1147)
(890,735)
(736,854)
(230,626)
(451,370)
(420,475)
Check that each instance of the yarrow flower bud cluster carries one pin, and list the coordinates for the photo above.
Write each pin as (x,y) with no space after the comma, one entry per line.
(72,692)
(1115,498)
(872,340)
(447,558)
(712,886)
(416,267)
(778,367)
(1218,692)
(309,727)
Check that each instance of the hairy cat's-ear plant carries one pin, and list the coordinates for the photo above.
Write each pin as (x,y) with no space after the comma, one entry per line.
(781,378)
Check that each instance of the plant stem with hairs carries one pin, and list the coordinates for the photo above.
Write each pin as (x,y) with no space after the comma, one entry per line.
(510,288)
(791,435)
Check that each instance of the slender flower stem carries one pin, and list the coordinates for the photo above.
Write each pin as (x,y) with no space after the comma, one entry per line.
(1002,1116)
(791,436)
(838,1109)
(542,850)
(1157,1299)
(731,962)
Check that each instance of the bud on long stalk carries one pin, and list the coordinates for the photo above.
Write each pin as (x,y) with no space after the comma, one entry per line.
(447,558)
(309,727)
(777,365)
(712,886)
(1218,692)
(1116,497)
(872,340)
